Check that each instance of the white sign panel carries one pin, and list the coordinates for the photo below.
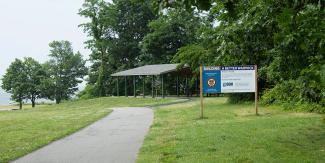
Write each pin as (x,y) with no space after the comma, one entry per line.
(228,79)
(237,81)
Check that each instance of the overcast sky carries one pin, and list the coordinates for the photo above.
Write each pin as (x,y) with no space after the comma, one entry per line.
(28,26)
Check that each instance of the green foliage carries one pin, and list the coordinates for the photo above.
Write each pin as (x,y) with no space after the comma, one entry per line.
(169,32)
(188,4)
(65,70)
(23,79)
(287,91)
(193,56)
(13,81)
(296,95)
(299,41)
(284,38)
(298,57)
(87,93)
(115,31)
(98,12)
(240,98)
(35,74)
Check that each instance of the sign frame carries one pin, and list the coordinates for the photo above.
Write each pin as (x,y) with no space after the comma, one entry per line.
(215,88)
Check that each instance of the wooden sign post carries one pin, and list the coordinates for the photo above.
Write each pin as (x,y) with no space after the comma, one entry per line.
(201,90)
(256,90)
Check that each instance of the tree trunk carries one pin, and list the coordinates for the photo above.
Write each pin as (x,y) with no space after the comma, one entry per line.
(20,104)
(33,102)
(57,100)
(100,81)
(101,90)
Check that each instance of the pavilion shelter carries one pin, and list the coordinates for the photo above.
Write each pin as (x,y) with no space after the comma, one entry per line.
(157,71)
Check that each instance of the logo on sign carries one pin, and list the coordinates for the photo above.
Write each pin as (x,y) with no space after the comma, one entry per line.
(228,84)
(211,82)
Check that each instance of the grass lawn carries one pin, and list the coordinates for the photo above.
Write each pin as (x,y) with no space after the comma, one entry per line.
(26,130)
(232,133)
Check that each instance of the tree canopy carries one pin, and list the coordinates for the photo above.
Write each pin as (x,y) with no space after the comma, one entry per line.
(23,79)
(167,34)
(65,70)
(284,38)
(115,30)
(57,79)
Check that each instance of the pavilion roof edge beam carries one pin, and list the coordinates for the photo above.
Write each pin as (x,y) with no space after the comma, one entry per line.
(157,69)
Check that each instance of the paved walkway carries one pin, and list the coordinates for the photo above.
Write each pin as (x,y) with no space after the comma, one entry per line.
(115,138)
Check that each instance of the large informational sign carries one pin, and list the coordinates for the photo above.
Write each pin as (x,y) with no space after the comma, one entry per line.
(228,79)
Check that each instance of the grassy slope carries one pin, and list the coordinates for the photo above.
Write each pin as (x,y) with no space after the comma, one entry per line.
(232,133)
(24,131)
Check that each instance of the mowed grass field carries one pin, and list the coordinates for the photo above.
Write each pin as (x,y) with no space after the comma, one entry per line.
(23,131)
(232,133)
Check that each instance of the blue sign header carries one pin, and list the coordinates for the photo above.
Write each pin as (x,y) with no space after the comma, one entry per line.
(211,80)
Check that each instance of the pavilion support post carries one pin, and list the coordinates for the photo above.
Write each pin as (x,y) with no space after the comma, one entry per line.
(125,87)
(162,86)
(117,90)
(186,86)
(152,86)
(134,89)
(197,87)
(143,86)
(177,85)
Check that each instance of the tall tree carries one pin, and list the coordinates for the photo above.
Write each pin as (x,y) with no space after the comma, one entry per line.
(96,29)
(23,79)
(14,81)
(283,37)
(131,25)
(172,30)
(65,69)
(115,31)
(35,74)
(188,4)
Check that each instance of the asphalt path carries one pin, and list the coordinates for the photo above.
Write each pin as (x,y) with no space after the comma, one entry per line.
(115,138)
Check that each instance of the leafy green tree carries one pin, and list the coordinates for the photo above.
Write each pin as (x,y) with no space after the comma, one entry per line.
(115,30)
(35,74)
(14,82)
(23,79)
(97,11)
(188,4)
(87,93)
(169,32)
(131,25)
(284,38)
(65,70)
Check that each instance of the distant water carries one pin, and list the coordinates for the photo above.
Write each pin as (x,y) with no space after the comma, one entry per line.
(4,98)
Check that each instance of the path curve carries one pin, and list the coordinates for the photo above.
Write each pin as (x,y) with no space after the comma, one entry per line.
(115,138)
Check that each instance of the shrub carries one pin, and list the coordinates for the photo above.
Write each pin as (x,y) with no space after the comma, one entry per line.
(287,91)
(240,97)
(87,93)
(296,95)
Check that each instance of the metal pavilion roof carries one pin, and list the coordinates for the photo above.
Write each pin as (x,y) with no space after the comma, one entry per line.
(148,70)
